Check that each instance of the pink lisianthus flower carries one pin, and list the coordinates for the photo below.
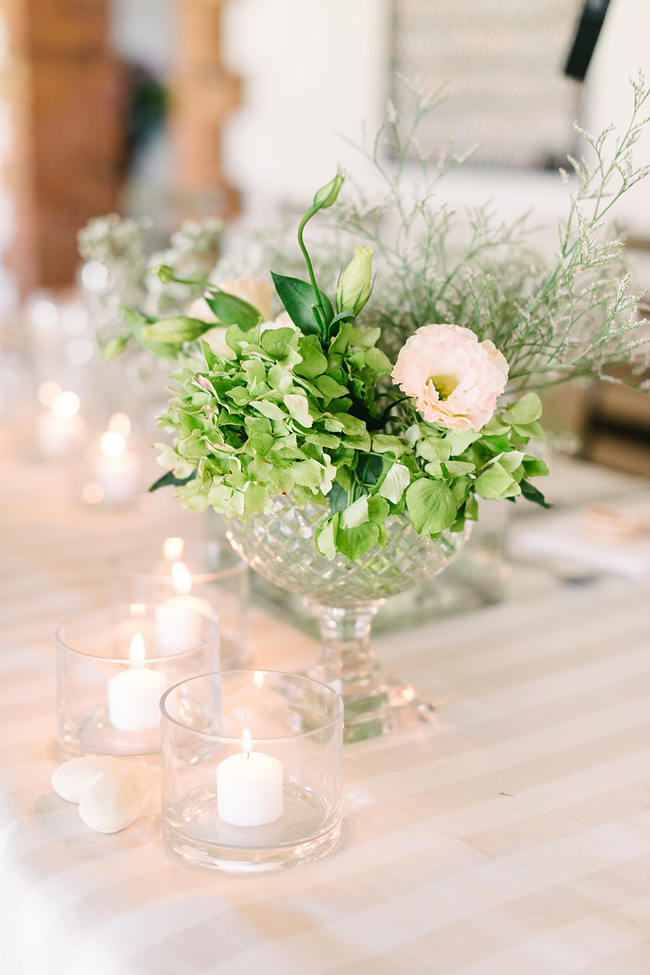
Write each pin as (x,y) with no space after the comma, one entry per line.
(454,379)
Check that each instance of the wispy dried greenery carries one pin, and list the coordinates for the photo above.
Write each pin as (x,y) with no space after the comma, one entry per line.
(574,316)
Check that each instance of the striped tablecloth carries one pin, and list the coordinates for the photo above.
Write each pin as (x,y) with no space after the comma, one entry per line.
(512,838)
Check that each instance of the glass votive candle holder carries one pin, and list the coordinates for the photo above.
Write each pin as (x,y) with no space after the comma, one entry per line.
(198,574)
(251,769)
(113,665)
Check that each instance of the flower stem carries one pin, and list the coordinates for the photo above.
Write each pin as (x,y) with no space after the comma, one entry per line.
(310,270)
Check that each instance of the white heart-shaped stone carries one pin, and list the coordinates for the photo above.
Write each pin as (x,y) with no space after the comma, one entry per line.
(73,778)
(118,796)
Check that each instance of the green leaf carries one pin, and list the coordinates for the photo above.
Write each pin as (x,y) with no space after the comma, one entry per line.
(378,509)
(175,330)
(433,449)
(337,497)
(458,467)
(231,310)
(354,542)
(378,362)
(211,358)
(299,299)
(471,508)
(369,469)
(386,443)
(530,430)
(326,537)
(276,341)
(356,514)
(431,506)
(511,461)
(395,483)
(255,499)
(329,387)
(534,467)
(170,479)
(236,337)
(525,410)
(495,426)
(459,440)
(270,410)
(314,363)
(531,493)
(298,407)
(307,473)
(496,483)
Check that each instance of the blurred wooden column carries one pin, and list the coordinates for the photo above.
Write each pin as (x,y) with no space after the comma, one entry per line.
(203,95)
(62,93)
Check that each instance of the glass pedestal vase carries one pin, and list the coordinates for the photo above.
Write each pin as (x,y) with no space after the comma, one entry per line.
(344,596)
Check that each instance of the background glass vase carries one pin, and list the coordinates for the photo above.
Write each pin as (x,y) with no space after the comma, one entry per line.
(345,596)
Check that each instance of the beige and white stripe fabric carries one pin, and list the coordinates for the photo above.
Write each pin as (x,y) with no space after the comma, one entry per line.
(511,839)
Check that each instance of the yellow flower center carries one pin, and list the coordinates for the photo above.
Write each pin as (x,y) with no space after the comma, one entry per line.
(443,385)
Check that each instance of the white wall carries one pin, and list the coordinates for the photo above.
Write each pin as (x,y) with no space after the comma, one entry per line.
(316,69)
(313,70)
(142,31)
(623,49)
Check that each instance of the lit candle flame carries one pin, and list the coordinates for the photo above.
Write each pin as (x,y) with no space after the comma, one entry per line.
(112,444)
(136,650)
(65,405)
(173,548)
(258,679)
(247,744)
(181,579)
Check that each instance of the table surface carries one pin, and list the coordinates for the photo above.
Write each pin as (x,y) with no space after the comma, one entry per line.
(513,837)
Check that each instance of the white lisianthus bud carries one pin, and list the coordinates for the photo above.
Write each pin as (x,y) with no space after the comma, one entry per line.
(326,195)
(355,283)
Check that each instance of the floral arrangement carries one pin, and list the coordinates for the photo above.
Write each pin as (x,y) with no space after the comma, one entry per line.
(400,412)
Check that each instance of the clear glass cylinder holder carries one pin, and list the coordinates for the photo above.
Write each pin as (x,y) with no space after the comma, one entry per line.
(113,665)
(251,769)
(201,574)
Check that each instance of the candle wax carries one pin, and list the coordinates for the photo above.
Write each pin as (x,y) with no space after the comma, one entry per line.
(133,699)
(58,436)
(118,476)
(249,789)
(177,624)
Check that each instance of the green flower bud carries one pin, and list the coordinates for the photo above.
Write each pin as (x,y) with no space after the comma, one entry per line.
(355,283)
(326,195)
(176,330)
(164,272)
(114,346)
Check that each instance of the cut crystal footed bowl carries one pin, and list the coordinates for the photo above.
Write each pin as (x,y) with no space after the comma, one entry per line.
(344,596)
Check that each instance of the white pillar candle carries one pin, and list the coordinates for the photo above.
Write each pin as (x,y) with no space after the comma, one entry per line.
(59,429)
(134,694)
(249,787)
(115,468)
(178,625)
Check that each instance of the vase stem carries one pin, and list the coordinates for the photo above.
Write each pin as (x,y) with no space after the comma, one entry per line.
(347,657)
